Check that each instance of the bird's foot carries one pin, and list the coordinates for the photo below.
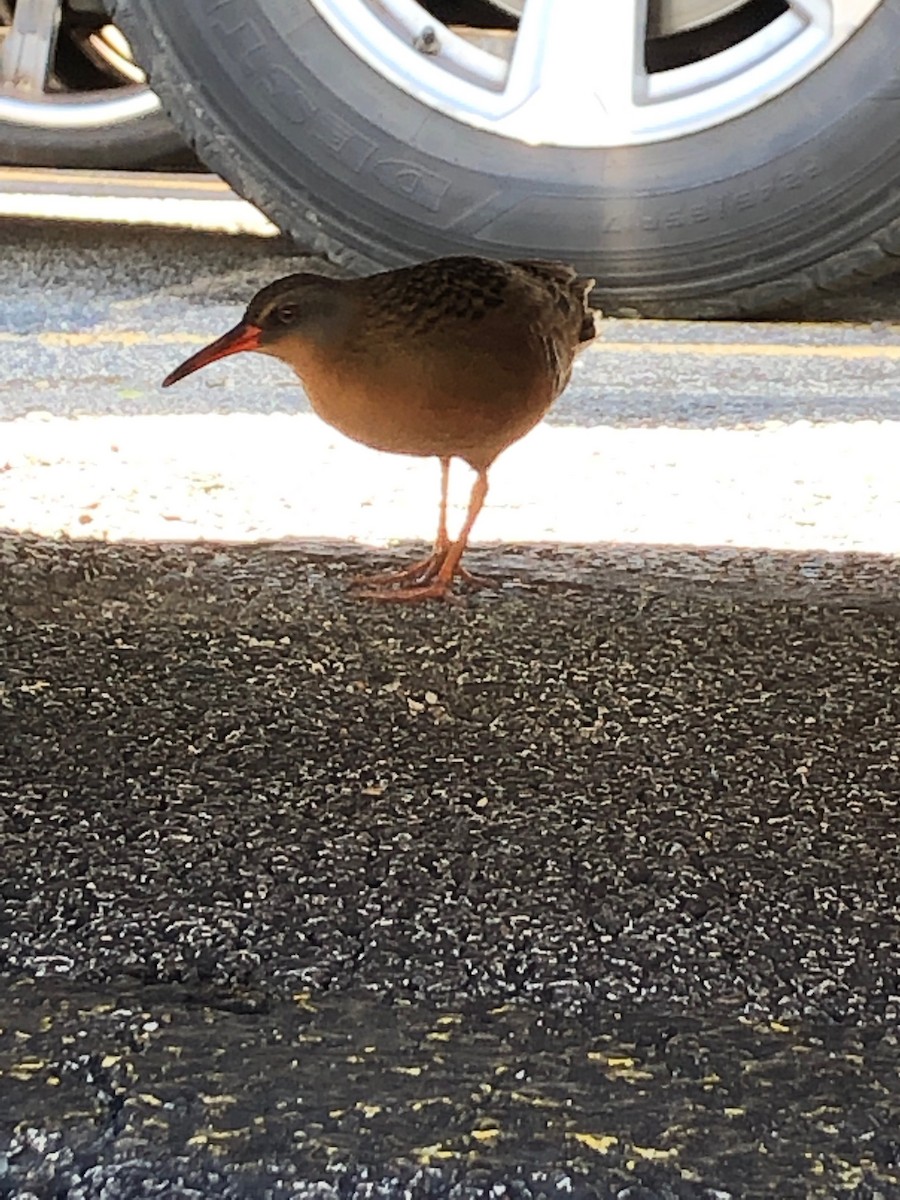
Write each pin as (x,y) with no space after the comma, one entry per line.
(476,581)
(421,580)
(437,589)
(420,572)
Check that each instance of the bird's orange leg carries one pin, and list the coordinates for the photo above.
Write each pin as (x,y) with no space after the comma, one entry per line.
(439,585)
(424,569)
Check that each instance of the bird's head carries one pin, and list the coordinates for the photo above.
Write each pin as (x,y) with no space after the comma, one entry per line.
(291,311)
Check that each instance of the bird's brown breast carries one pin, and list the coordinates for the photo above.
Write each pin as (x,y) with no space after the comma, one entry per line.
(461,406)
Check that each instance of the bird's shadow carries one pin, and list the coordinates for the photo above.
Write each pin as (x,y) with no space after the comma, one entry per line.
(40,574)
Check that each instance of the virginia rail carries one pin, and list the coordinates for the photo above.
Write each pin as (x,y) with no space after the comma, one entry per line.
(456,358)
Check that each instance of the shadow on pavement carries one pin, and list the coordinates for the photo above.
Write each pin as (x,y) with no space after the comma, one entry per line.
(192,260)
(586,888)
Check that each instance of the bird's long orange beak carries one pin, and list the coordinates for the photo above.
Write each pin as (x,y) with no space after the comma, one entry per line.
(242,337)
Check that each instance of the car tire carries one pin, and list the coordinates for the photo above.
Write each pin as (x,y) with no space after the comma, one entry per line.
(147,140)
(94,111)
(801,194)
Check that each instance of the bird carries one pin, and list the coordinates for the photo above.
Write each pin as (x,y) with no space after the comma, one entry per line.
(455,357)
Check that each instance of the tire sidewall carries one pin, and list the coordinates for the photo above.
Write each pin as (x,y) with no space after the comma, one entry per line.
(322,143)
(143,141)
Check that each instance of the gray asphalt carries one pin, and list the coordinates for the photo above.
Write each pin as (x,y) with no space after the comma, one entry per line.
(587,887)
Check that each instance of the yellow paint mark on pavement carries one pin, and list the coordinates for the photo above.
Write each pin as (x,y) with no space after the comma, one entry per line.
(611,1060)
(120,337)
(486,1135)
(162,183)
(849,352)
(426,1154)
(752,349)
(535,1101)
(654,1154)
(601,1142)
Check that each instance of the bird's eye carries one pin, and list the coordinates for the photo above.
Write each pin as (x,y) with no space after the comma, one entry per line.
(286,314)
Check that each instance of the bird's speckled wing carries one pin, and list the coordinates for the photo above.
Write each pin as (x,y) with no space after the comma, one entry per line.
(466,288)
(426,295)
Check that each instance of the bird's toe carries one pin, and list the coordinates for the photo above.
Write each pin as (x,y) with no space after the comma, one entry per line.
(437,589)
(420,572)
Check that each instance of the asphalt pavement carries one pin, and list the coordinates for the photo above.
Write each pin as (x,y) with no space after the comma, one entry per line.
(586,887)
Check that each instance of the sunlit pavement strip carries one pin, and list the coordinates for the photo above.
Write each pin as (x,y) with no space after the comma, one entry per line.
(247,476)
(130,197)
(783,436)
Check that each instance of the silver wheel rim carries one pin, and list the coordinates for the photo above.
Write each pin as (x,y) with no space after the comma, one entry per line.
(574,74)
(27,55)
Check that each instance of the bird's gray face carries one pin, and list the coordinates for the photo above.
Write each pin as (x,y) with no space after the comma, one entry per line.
(299,306)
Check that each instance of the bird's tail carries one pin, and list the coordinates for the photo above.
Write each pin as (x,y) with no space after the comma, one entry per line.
(589,329)
(577,287)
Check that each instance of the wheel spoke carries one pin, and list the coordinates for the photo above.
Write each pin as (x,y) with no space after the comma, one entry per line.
(574,74)
(581,56)
(27,53)
(832,16)
(818,13)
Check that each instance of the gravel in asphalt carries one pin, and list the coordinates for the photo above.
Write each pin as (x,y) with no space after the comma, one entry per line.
(586,887)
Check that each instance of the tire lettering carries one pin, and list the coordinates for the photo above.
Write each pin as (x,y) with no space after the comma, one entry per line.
(230,17)
(423,188)
(742,201)
(342,139)
(233,29)
(285,96)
